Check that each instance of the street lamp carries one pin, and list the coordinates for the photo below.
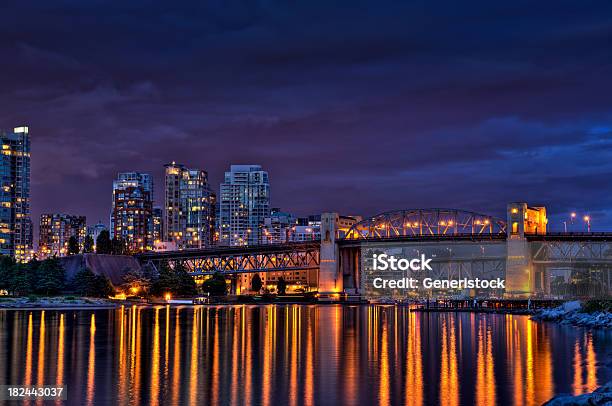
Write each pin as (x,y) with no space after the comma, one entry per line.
(587,220)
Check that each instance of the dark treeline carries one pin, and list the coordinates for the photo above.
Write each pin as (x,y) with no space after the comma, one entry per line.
(48,277)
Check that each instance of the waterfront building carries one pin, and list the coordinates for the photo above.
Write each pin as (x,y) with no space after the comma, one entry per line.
(278,227)
(344,224)
(189,207)
(244,203)
(307,229)
(306,233)
(163,246)
(55,231)
(132,210)
(15,221)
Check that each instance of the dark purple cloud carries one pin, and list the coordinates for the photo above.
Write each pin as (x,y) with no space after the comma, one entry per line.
(358,107)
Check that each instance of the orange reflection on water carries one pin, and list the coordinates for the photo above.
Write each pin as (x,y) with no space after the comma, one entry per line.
(59,379)
(167,350)
(591,362)
(216,373)
(294,350)
(60,352)
(248,368)
(91,362)
(155,361)
(28,369)
(536,366)
(176,368)
(414,363)
(41,351)
(351,361)
(122,358)
(137,356)
(269,338)
(449,378)
(244,354)
(384,386)
(516,348)
(485,379)
(309,378)
(577,387)
(193,370)
(235,375)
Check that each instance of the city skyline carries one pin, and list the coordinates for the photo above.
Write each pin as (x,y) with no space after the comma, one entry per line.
(573,221)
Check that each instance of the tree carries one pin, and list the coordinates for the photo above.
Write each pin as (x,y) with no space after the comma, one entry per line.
(137,280)
(215,285)
(256,283)
(118,246)
(20,283)
(73,246)
(186,284)
(50,276)
(83,282)
(86,283)
(165,282)
(281,286)
(88,245)
(7,264)
(174,280)
(103,243)
(104,288)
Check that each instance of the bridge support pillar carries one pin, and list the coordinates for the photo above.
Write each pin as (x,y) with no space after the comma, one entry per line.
(519,267)
(330,279)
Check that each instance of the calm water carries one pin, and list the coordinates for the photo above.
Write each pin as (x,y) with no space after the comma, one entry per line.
(276,355)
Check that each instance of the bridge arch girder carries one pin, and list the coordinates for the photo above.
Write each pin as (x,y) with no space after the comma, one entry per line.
(425,222)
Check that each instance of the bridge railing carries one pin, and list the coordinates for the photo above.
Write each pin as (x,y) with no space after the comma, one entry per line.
(570,236)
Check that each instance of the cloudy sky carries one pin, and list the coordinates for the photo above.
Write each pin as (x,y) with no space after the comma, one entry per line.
(359,107)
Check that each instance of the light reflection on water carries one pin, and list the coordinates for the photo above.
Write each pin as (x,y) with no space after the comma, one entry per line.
(298,355)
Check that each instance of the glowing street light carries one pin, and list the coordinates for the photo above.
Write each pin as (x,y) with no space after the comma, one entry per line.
(587,220)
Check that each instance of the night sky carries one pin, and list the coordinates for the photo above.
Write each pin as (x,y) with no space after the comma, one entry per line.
(359,108)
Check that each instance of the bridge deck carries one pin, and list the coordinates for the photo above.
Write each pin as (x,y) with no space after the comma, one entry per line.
(424,238)
(570,237)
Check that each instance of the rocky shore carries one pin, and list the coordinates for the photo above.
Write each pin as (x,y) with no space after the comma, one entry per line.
(601,396)
(573,313)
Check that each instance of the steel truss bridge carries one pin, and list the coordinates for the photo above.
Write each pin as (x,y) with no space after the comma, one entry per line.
(236,260)
(438,228)
(571,248)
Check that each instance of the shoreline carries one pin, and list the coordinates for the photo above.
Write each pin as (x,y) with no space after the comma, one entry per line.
(568,314)
(54,308)
(102,304)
